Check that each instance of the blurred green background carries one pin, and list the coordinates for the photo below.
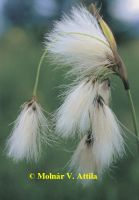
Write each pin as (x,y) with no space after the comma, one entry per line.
(21,46)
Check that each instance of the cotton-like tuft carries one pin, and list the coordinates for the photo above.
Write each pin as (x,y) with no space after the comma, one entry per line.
(77,40)
(28,133)
(106,145)
(74,114)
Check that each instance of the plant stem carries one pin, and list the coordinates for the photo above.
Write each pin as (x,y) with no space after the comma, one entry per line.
(133,116)
(38,73)
(86,35)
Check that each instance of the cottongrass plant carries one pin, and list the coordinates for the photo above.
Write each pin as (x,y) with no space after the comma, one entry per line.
(83,41)
(30,129)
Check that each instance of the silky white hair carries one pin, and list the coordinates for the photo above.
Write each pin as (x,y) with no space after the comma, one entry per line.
(105,146)
(74,114)
(28,132)
(78,41)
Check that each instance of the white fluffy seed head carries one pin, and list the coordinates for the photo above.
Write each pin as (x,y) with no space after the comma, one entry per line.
(107,144)
(73,116)
(108,138)
(78,41)
(28,132)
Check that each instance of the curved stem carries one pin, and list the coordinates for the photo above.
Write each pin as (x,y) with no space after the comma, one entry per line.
(86,35)
(133,116)
(38,73)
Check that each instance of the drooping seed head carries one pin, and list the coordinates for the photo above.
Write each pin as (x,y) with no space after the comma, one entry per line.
(28,133)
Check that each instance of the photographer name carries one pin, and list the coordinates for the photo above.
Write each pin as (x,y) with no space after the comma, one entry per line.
(58,176)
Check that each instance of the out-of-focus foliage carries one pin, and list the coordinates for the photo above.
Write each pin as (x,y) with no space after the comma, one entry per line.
(20,51)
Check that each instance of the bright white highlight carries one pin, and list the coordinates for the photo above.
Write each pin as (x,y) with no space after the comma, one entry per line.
(127,11)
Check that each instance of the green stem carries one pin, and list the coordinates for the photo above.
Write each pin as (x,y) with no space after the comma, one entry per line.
(86,35)
(133,116)
(38,73)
